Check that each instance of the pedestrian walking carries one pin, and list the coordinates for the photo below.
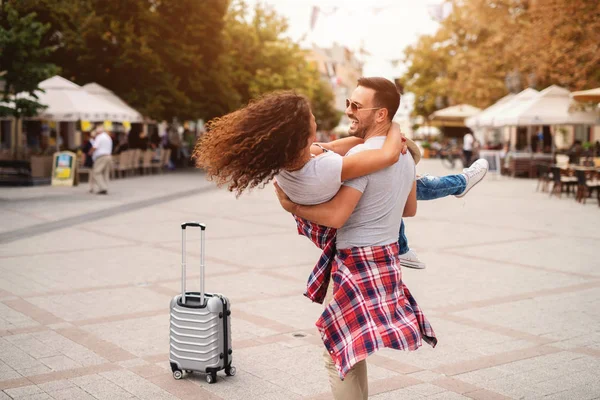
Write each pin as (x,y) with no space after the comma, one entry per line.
(468,140)
(101,154)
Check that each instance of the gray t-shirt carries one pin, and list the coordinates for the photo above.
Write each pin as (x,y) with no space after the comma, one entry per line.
(376,219)
(315,183)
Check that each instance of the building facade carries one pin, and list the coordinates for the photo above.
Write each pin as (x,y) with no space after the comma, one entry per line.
(340,67)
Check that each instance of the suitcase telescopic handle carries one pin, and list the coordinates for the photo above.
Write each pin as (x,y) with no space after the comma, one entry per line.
(183,259)
(194,224)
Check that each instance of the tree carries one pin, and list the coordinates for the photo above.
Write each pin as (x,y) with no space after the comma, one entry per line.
(160,56)
(21,61)
(486,48)
(326,116)
(184,59)
(561,43)
(192,47)
(484,52)
(262,60)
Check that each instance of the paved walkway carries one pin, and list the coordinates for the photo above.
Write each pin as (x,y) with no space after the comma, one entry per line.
(512,289)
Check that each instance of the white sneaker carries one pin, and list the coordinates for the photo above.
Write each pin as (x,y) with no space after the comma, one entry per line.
(474,174)
(410,260)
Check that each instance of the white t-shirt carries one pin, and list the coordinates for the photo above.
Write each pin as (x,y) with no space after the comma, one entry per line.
(316,182)
(376,219)
(103,145)
(468,142)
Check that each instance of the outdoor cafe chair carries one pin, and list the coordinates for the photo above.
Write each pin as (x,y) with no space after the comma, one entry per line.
(561,182)
(544,177)
(584,186)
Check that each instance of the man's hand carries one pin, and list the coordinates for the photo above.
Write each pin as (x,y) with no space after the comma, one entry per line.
(284,200)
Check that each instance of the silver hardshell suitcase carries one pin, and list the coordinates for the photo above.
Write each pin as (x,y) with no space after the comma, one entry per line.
(200,328)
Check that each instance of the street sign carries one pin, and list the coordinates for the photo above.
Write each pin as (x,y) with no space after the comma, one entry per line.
(493,158)
(64,168)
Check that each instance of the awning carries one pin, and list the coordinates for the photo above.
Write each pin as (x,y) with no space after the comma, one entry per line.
(552,106)
(488,117)
(482,119)
(100,91)
(67,101)
(592,95)
(453,116)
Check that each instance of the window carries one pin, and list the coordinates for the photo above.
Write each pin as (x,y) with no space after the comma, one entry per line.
(582,133)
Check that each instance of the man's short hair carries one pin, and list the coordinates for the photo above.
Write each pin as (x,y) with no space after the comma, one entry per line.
(386,93)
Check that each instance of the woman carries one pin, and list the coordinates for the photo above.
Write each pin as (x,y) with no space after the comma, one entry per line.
(275,136)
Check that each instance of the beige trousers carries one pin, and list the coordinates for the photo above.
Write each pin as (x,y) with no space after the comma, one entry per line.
(91,180)
(355,385)
(102,171)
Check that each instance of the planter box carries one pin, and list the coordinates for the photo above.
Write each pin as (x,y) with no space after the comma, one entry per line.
(41,166)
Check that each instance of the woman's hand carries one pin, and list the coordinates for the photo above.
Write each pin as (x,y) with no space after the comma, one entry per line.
(284,200)
(395,144)
(403,145)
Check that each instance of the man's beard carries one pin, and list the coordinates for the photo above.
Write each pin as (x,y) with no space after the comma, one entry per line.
(359,133)
(362,129)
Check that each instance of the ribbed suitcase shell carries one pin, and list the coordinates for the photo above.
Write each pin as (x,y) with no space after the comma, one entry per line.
(200,334)
(200,339)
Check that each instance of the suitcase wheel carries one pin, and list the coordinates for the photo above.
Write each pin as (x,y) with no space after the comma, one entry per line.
(177,374)
(211,378)
(230,371)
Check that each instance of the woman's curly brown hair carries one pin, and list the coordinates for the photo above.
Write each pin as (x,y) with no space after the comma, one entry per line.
(251,145)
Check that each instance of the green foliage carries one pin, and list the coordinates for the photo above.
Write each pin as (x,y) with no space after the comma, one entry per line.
(326,116)
(178,58)
(22,60)
(261,60)
(486,48)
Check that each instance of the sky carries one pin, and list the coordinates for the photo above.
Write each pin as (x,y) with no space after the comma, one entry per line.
(384,28)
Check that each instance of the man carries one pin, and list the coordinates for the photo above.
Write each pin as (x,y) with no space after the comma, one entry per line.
(468,140)
(101,154)
(367,306)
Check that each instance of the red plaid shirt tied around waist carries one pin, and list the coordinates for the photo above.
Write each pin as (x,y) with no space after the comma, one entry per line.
(371,307)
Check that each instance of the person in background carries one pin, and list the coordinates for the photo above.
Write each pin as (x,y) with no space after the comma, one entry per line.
(468,140)
(101,154)
(86,150)
(575,152)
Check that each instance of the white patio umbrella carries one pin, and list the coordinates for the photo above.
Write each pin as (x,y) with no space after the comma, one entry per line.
(488,120)
(100,91)
(67,101)
(454,115)
(477,121)
(550,107)
(428,131)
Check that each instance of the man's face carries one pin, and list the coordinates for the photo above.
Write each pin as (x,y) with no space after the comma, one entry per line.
(361,120)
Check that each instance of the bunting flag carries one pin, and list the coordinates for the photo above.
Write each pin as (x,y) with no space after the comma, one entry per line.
(439,12)
(127,126)
(313,17)
(108,126)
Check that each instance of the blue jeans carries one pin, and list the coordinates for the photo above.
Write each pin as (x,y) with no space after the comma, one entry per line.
(431,188)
